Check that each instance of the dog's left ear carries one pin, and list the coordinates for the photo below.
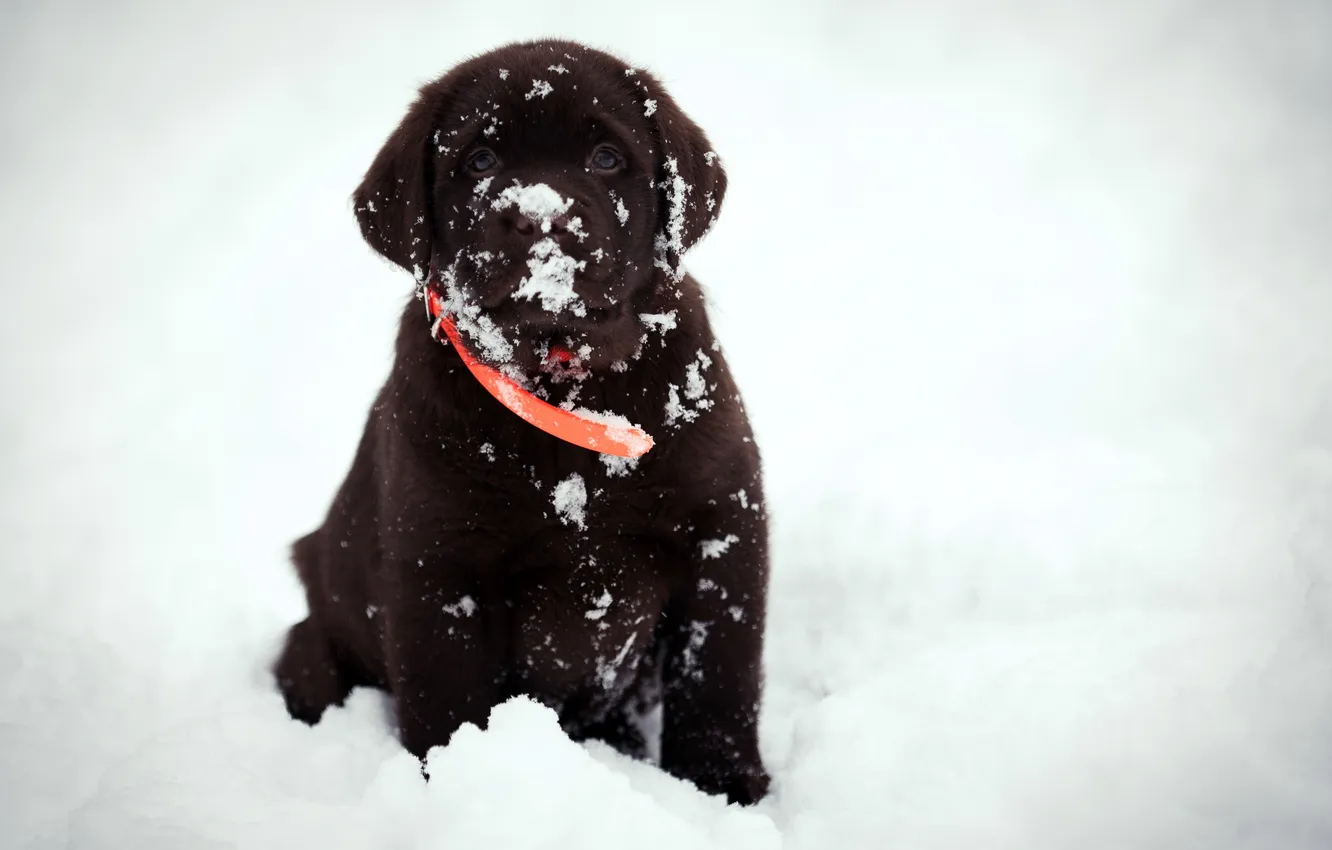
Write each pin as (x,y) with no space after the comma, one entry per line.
(392,203)
(690,176)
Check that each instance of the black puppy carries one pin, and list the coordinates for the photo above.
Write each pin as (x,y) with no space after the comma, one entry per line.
(545,191)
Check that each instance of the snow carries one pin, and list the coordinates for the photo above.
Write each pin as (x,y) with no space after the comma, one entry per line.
(621,211)
(698,636)
(695,385)
(570,500)
(669,243)
(716,548)
(1035,351)
(551,272)
(464,607)
(602,603)
(694,391)
(618,428)
(707,584)
(550,279)
(482,332)
(536,201)
(575,226)
(607,671)
(618,467)
(660,322)
(675,409)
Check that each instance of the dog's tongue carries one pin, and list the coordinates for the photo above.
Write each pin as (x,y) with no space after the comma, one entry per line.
(559,354)
(600,432)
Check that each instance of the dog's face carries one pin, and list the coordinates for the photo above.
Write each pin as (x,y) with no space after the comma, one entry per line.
(552,188)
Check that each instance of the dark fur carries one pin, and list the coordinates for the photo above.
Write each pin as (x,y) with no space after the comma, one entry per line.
(427,516)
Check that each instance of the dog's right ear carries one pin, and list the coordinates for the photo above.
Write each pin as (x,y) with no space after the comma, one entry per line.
(393,201)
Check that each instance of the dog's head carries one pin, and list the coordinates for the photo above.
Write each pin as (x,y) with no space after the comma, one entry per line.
(552,188)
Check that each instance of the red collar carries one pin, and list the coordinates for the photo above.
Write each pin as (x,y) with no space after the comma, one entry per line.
(600,432)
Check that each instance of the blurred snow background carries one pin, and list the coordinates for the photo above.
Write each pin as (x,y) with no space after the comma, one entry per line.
(1030,302)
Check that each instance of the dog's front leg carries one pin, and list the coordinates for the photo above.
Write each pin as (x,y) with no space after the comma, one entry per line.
(443,672)
(713,676)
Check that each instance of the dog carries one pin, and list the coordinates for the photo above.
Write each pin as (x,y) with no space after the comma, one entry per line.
(545,192)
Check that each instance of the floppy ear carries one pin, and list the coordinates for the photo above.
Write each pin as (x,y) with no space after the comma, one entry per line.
(690,178)
(393,201)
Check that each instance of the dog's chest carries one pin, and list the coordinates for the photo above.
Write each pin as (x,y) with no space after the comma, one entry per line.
(582,624)
(593,547)
(573,490)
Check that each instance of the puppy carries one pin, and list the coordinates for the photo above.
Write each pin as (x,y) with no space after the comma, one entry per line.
(545,192)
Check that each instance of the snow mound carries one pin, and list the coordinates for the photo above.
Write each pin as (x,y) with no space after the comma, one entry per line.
(239,779)
(570,796)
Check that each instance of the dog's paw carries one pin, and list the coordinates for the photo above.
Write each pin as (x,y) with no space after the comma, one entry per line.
(743,784)
(307,675)
(616,730)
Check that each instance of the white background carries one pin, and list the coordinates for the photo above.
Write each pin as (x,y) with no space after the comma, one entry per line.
(1031,306)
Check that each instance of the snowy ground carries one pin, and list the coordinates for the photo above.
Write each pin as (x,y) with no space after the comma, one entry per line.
(1030,303)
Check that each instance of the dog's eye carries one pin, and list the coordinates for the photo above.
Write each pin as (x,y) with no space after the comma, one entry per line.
(482,161)
(606,158)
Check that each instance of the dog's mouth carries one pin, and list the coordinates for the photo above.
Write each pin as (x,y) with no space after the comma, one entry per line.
(536,324)
(549,342)
(532,401)
(517,311)
(520,336)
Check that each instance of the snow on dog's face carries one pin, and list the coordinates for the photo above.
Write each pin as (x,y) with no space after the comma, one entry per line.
(555,188)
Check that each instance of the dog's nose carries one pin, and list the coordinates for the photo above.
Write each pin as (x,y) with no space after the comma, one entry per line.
(536,227)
